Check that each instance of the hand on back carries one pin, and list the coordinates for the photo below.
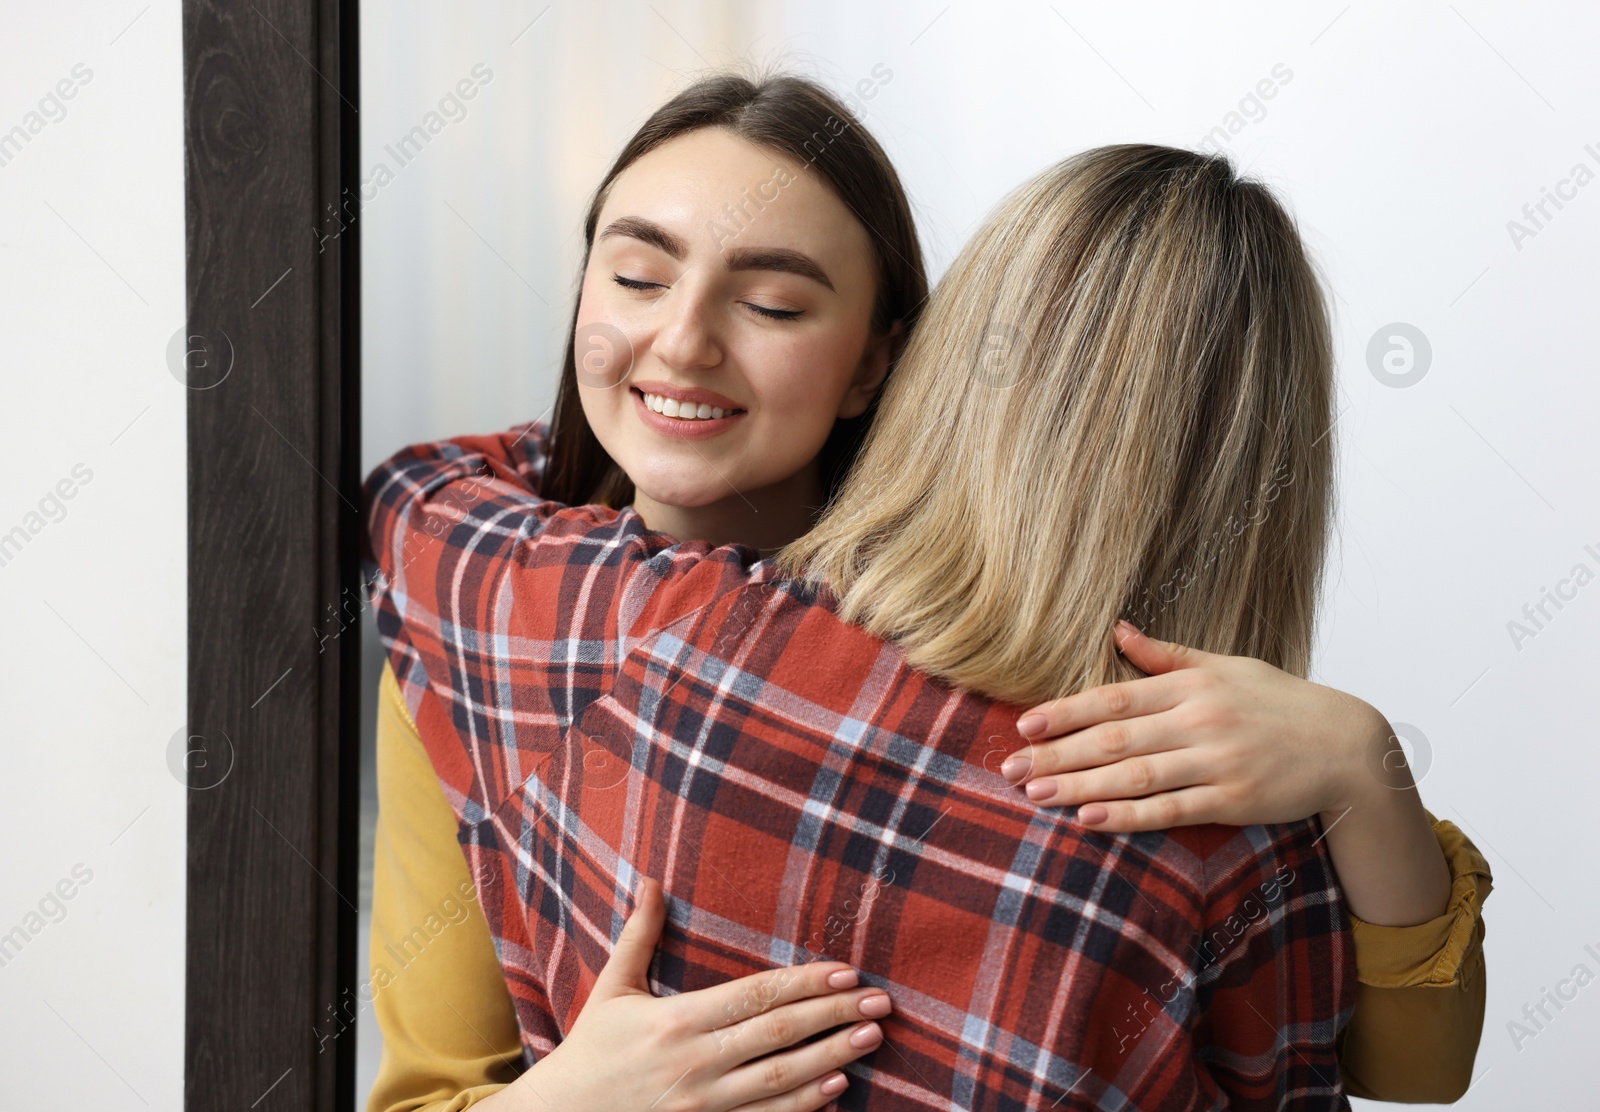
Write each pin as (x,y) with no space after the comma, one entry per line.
(723,1048)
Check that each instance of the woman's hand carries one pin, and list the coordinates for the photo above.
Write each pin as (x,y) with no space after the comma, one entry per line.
(1202,738)
(720,1048)
(1233,740)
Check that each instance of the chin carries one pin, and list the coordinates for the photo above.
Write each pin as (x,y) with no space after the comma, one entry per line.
(684,493)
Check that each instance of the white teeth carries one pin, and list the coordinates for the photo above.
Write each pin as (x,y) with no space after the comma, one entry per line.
(684,411)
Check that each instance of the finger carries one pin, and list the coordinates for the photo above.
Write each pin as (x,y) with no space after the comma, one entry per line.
(1155,657)
(1131,778)
(796,1073)
(784,1026)
(1109,702)
(627,969)
(1186,807)
(1087,744)
(802,1098)
(727,1004)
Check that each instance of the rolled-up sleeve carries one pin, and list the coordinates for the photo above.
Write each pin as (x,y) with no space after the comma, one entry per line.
(1420,992)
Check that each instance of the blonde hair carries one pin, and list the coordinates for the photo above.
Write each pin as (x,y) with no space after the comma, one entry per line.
(1118,403)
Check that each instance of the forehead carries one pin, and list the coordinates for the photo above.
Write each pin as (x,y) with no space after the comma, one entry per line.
(717,190)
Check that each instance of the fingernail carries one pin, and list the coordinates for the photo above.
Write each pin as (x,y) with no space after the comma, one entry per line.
(1041,791)
(834,1085)
(874,1007)
(1126,626)
(868,1034)
(1030,724)
(1015,768)
(845,978)
(1092,813)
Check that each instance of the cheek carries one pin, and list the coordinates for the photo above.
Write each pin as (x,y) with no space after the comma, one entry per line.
(592,307)
(603,410)
(597,302)
(603,349)
(805,380)
(601,356)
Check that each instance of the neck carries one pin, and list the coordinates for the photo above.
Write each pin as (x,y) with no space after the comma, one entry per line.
(765,519)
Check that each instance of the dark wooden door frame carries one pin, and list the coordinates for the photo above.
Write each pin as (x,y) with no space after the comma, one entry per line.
(273,365)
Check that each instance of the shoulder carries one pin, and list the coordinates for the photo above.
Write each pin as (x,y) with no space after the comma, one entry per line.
(1237,861)
(687,583)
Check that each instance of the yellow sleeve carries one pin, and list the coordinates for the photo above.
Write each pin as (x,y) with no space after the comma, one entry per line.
(450,1035)
(1420,992)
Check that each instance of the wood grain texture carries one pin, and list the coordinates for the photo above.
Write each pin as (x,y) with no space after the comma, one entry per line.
(270,141)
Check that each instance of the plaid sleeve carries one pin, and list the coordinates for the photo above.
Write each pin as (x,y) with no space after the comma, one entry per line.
(444,521)
(1275,977)
(502,613)
(423,473)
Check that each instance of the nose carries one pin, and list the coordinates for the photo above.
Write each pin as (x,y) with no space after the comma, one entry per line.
(687,338)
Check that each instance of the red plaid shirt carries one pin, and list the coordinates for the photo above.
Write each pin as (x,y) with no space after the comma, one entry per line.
(600,704)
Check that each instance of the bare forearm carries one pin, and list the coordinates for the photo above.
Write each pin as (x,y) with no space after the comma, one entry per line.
(1390,866)
(509,1099)
(537,1090)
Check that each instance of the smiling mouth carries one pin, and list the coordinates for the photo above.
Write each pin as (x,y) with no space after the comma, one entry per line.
(683,411)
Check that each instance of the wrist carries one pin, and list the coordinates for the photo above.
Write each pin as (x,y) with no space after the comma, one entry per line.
(540,1088)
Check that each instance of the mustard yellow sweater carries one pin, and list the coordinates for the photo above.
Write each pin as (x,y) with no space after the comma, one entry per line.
(450,1033)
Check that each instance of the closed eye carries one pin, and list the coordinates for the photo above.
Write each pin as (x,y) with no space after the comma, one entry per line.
(774,314)
(766,311)
(634,283)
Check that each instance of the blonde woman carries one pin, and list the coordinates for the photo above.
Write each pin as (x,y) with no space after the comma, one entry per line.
(1021,354)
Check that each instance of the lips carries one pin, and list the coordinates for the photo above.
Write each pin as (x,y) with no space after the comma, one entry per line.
(654,402)
(684,411)
(694,395)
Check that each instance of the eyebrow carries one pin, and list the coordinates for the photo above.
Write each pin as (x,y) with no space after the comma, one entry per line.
(777,258)
(739,258)
(647,231)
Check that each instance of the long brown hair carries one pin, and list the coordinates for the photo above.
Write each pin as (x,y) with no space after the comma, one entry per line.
(1120,403)
(802,120)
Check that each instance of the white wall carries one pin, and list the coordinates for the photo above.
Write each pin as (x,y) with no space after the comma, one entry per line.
(1406,137)
(92,605)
